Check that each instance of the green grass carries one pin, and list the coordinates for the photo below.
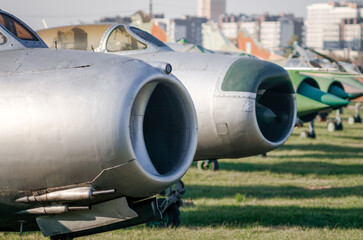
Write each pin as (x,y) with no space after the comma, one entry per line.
(307,189)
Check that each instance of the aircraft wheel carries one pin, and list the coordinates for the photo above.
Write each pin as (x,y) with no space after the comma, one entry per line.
(358,119)
(171,217)
(354,119)
(322,117)
(208,164)
(338,126)
(331,126)
(351,120)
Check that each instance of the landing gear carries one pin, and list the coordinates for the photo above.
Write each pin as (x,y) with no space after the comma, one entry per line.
(169,207)
(323,117)
(171,216)
(211,164)
(310,133)
(336,125)
(356,118)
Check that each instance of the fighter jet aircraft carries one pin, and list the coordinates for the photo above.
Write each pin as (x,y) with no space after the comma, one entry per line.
(244,106)
(312,63)
(87,138)
(331,75)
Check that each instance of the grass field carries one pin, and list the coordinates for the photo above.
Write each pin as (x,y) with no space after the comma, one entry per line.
(307,189)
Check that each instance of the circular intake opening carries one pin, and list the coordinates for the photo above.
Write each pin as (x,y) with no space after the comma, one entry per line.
(161,128)
(275,108)
(275,99)
(308,81)
(336,84)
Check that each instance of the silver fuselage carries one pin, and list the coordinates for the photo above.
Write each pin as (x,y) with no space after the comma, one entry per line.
(83,131)
(226,90)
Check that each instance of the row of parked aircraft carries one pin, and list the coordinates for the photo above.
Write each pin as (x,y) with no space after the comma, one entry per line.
(90,137)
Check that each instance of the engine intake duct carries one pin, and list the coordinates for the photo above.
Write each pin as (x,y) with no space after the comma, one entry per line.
(161,129)
(268,110)
(162,140)
(274,108)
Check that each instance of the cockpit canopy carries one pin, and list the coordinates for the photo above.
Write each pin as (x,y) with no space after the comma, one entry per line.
(74,37)
(121,40)
(101,37)
(15,34)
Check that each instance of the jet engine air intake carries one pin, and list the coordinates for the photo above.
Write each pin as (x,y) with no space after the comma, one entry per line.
(275,102)
(311,83)
(268,104)
(337,89)
(274,108)
(161,140)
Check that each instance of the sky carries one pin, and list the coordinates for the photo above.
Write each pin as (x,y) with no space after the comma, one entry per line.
(64,12)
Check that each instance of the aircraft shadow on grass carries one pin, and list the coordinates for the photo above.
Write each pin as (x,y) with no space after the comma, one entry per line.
(237,216)
(322,155)
(327,151)
(300,168)
(266,192)
(351,138)
(327,148)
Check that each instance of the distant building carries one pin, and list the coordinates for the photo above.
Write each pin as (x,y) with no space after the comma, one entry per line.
(273,31)
(189,28)
(252,28)
(230,30)
(276,34)
(351,34)
(117,19)
(128,20)
(211,9)
(327,27)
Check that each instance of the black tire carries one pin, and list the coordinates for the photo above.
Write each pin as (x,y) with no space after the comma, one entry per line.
(338,126)
(358,119)
(171,217)
(323,117)
(211,164)
(173,214)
